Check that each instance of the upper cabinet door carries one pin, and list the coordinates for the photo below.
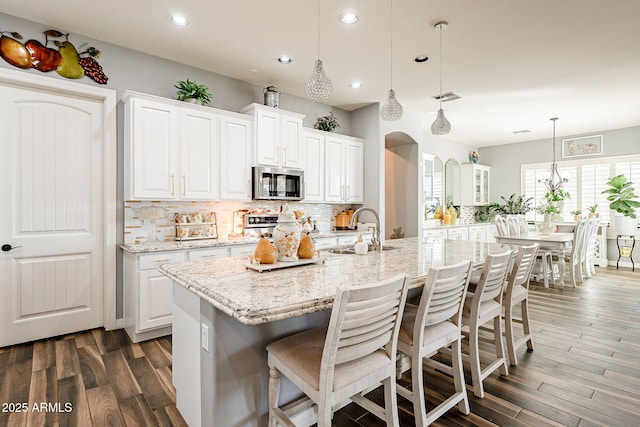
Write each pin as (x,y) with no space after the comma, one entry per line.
(277,137)
(313,167)
(292,155)
(354,171)
(334,170)
(200,176)
(235,166)
(152,150)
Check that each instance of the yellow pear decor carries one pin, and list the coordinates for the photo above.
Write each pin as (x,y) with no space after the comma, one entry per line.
(454,214)
(306,250)
(446,217)
(265,251)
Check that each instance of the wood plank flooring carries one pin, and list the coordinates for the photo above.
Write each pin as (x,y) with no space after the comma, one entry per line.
(584,372)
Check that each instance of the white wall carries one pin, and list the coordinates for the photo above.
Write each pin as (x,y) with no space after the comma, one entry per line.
(401,193)
(506,159)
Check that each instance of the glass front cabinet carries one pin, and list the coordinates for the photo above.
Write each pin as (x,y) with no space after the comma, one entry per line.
(475,184)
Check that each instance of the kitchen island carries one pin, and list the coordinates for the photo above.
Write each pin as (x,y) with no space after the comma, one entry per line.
(225,315)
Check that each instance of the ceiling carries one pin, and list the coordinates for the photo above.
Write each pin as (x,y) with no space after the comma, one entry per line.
(515,64)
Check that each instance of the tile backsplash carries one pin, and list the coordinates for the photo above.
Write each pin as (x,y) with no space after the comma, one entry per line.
(136,232)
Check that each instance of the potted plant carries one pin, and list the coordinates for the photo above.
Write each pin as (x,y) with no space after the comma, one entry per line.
(577,215)
(327,123)
(557,198)
(188,90)
(516,205)
(593,211)
(623,200)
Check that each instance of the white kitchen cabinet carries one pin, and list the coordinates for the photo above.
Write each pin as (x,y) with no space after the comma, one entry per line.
(478,233)
(475,180)
(171,150)
(208,253)
(277,137)
(235,164)
(243,250)
(458,233)
(148,294)
(325,242)
(313,166)
(440,233)
(343,169)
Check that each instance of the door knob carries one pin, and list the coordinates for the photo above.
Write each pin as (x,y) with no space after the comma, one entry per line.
(7,247)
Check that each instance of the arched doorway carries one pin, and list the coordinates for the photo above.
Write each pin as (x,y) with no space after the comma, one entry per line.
(401,163)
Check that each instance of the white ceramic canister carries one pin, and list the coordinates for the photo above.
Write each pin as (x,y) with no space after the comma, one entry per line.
(286,236)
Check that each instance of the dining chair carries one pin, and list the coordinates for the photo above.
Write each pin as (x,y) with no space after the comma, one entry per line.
(502,227)
(574,256)
(481,306)
(588,269)
(517,292)
(355,353)
(435,324)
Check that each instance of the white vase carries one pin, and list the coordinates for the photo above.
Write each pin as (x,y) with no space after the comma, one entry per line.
(286,236)
(625,226)
(547,227)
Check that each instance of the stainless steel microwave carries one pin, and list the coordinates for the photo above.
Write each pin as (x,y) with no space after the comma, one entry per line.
(277,184)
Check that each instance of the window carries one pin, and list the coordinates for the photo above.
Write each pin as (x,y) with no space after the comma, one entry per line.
(587,180)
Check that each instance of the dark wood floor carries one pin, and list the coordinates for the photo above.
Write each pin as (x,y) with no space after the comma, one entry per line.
(584,371)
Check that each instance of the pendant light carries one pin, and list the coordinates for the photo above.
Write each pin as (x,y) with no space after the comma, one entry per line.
(554,181)
(441,125)
(391,110)
(318,86)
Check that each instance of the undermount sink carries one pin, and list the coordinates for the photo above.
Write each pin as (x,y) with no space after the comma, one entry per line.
(351,249)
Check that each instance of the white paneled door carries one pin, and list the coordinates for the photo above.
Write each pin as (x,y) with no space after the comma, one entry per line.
(51,220)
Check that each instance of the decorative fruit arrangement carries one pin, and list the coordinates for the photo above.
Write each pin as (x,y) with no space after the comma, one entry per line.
(66,61)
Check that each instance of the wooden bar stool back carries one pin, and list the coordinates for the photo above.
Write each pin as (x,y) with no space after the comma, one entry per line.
(517,292)
(433,325)
(356,353)
(483,305)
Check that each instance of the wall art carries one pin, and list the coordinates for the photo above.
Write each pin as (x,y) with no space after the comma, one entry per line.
(66,60)
(582,146)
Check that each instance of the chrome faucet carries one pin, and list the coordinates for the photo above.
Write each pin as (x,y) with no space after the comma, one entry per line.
(375,240)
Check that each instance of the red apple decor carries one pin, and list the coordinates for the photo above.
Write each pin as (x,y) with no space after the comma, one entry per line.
(43,58)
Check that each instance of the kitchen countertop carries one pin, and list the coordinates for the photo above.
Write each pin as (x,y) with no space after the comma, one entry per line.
(431,224)
(214,243)
(254,298)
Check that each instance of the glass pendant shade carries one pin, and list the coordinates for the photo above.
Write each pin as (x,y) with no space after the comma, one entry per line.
(391,110)
(318,86)
(441,125)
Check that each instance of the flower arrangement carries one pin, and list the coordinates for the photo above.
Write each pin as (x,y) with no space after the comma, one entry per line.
(192,90)
(516,205)
(547,209)
(327,123)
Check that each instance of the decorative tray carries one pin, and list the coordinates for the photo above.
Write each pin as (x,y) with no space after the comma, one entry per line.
(285,264)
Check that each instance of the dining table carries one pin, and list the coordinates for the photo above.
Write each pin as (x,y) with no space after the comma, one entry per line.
(557,243)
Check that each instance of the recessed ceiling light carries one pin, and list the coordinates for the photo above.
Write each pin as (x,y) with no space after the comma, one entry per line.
(421,58)
(284,60)
(355,85)
(349,18)
(178,20)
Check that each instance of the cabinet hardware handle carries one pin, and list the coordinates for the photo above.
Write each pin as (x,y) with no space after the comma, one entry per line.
(173,185)
(7,247)
(184,185)
(285,155)
(277,155)
(209,256)
(162,260)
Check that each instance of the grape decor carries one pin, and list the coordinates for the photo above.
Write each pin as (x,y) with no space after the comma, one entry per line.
(93,70)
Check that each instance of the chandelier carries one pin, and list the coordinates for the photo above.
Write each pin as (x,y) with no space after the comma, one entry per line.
(391,110)
(318,86)
(441,125)
(554,181)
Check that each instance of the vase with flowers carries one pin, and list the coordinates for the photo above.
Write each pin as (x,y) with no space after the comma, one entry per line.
(548,210)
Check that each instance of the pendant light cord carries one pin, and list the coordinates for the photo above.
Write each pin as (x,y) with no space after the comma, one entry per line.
(318,22)
(440,29)
(391,41)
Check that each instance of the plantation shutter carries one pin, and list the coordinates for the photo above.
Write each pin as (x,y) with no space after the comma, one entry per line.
(594,182)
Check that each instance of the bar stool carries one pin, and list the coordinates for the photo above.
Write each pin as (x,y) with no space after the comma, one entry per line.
(517,292)
(482,305)
(431,326)
(355,353)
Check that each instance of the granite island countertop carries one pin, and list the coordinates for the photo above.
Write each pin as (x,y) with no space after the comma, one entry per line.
(254,298)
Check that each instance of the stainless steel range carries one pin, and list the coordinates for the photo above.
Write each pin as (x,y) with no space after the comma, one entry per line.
(260,224)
